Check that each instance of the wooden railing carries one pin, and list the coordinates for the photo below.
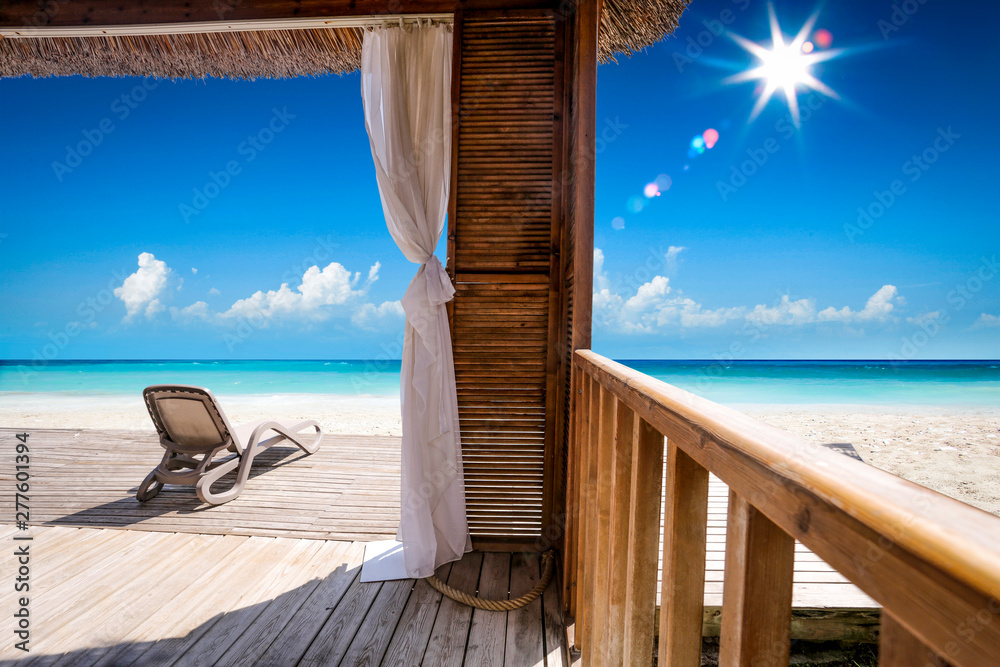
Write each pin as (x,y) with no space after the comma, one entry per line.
(932,562)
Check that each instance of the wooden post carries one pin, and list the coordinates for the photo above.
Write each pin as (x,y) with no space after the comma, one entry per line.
(599,545)
(898,647)
(584,561)
(757,593)
(572,519)
(613,642)
(685,529)
(643,542)
(589,552)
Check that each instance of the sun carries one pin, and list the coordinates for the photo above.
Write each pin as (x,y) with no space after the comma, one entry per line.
(784,66)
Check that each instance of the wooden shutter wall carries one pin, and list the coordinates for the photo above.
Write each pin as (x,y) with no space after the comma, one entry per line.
(508,319)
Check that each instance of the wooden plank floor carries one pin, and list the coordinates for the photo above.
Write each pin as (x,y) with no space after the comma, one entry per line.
(348,490)
(134,597)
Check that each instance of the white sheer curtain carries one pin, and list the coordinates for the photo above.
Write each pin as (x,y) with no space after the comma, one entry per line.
(406,86)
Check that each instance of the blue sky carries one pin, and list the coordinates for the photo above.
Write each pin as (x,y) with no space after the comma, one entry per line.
(195,196)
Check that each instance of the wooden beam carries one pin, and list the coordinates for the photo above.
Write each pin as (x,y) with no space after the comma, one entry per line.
(583,168)
(31,14)
(899,648)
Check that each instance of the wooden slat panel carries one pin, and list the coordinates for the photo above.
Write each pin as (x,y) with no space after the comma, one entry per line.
(500,255)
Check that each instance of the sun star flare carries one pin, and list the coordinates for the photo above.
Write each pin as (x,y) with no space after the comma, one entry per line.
(784,66)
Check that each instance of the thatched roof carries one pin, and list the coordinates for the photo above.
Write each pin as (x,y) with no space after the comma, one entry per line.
(627,26)
(257,54)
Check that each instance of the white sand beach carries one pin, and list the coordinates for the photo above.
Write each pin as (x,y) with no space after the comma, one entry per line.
(951,450)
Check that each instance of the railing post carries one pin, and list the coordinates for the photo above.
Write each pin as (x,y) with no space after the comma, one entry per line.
(899,648)
(757,589)
(685,530)
(572,521)
(600,544)
(643,542)
(583,562)
(613,642)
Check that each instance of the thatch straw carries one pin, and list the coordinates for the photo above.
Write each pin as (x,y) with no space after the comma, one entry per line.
(627,26)
(259,54)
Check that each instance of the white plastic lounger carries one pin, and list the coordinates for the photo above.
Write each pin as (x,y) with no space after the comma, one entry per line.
(194,431)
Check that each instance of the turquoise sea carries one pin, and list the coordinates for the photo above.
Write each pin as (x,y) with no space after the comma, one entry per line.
(941,383)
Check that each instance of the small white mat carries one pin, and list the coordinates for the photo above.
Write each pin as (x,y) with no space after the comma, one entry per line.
(383,561)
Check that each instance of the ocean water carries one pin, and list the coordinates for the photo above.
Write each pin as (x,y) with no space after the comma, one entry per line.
(937,383)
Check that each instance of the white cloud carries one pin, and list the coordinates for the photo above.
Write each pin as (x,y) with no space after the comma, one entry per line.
(879,308)
(786,311)
(141,290)
(315,299)
(986,320)
(196,311)
(924,318)
(600,278)
(322,294)
(194,270)
(658,306)
(371,317)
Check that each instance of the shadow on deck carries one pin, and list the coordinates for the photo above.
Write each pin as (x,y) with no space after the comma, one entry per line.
(123,597)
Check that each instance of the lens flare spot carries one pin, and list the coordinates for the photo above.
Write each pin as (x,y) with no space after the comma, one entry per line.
(618,222)
(635,204)
(711,136)
(663,182)
(807,47)
(650,190)
(823,38)
(698,142)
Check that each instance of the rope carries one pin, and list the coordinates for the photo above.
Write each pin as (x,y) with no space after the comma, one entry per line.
(548,562)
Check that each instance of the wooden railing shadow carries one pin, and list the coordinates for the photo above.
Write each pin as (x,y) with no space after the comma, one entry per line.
(932,562)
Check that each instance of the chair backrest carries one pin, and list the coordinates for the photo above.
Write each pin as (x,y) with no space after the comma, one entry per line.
(187,416)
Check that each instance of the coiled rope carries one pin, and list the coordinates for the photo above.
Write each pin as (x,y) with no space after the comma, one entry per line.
(548,564)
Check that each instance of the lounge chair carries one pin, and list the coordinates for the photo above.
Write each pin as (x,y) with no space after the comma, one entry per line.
(194,431)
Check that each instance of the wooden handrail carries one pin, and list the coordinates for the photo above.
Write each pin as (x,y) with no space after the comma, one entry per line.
(932,562)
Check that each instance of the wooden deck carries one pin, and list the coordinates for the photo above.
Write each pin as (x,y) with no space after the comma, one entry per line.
(348,490)
(133,597)
(271,578)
